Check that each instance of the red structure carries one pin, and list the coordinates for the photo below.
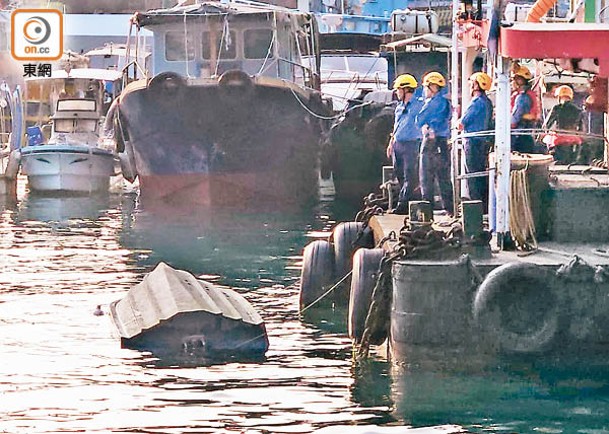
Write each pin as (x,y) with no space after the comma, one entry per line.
(557,41)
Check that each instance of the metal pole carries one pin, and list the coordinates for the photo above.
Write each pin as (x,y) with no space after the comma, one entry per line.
(454,99)
(502,149)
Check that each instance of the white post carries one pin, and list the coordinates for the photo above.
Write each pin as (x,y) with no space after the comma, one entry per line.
(454,99)
(502,149)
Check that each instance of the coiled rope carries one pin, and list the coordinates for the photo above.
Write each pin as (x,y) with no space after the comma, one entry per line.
(522,223)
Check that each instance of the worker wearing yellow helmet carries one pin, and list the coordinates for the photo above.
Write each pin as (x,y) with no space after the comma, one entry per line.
(434,157)
(525,109)
(565,116)
(477,119)
(403,148)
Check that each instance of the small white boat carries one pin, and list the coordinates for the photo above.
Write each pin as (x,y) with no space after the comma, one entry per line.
(171,312)
(72,161)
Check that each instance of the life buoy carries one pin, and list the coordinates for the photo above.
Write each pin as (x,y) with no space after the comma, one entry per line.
(236,78)
(317,271)
(167,81)
(516,307)
(365,273)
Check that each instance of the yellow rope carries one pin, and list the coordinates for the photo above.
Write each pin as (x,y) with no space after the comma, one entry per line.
(522,223)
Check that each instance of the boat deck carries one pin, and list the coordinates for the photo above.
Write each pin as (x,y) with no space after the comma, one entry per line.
(548,253)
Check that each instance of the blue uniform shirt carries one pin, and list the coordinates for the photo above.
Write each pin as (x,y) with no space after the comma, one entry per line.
(404,128)
(436,113)
(478,115)
(522,106)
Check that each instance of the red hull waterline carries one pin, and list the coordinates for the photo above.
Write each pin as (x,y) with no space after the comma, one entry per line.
(251,190)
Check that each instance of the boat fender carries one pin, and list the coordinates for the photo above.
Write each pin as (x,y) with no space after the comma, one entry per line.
(166,81)
(516,307)
(366,264)
(347,237)
(235,77)
(317,271)
(378,130)
(12,167)
(121,135)
(127,167)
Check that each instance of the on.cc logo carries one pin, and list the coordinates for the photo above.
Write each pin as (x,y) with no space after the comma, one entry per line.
(36,30)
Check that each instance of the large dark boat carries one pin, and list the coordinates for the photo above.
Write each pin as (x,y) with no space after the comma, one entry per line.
(231,116)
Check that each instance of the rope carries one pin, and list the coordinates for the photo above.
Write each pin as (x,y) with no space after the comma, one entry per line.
(377,318)
(325,294)
(328,118)
(270,49)
(522,223)
(225,33)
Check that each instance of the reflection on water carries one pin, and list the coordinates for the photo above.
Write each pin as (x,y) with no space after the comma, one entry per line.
(63,370)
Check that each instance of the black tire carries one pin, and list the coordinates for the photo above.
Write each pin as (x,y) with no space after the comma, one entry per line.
(344,236)
(166,82)
(365,273)
(516,307)
(236,78)
(317,271)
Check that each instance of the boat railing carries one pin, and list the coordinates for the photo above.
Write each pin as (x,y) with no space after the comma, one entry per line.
(585,139)
(306,74)
(137,72)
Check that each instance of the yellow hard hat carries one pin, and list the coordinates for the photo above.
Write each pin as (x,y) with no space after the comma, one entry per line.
(483,80)
(563,91)
(434,78)
(405,80)
(523,72)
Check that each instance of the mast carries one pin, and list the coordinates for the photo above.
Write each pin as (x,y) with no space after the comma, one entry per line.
(454,99)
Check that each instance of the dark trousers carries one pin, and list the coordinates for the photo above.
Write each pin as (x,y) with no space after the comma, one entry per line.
(476,150)
(434,164)
(524,144)
(405,165)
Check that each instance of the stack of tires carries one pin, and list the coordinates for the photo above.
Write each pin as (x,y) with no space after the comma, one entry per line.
(327,262)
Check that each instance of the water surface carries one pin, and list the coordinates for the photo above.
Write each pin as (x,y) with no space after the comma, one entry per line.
(62,368)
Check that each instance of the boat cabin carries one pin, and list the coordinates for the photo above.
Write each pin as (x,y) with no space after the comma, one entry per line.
(75,122)
(43,93)
(207,39)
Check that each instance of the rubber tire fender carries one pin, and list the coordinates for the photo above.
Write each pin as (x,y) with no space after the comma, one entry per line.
(488,311)
(235,77)
(343,236)
(317,271)
(167,81)
(366,264)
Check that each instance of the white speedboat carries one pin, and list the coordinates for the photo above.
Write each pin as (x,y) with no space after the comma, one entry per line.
(71,161)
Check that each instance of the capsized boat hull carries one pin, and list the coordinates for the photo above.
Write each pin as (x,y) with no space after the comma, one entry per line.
(67,168)
(214,144)
(170,312)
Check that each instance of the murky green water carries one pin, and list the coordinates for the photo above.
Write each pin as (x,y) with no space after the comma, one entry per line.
(62,368)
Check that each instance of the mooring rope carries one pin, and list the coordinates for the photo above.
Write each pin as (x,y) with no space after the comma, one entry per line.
(325,294)
(522,222)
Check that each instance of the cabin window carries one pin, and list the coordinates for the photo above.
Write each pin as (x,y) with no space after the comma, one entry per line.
(75,125)
(257,43)
(226,47)
(85,125)
(179,46)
